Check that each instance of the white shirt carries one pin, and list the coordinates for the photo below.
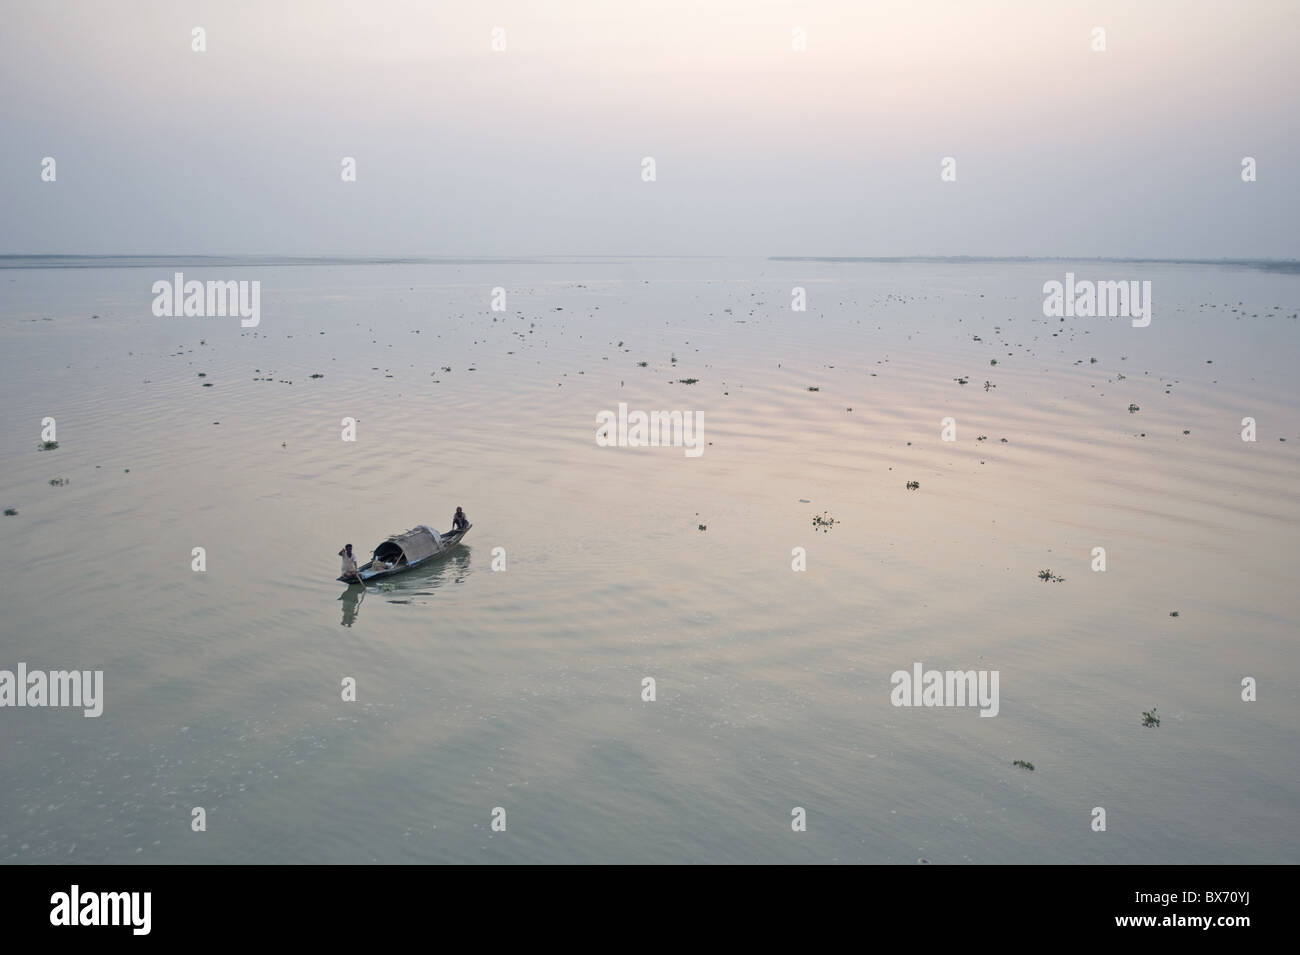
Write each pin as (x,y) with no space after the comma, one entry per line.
(349,564)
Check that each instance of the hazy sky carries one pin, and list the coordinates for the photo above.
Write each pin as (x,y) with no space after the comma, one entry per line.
(759,149)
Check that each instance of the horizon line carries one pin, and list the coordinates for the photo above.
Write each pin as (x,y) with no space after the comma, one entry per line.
(17,260)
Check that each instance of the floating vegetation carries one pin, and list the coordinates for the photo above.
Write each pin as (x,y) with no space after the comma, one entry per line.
(993,361)
(1049,576)
(318,375)
(1149,718)
(49,445)
(962,381)
(913,485)
(203,374)
(11,512)
(824,521)
(1024,764)
(813,388)
(988,384)
(58,482)
(1173,613)
(704,527)
(642,364)
(207,384)
(1132,408)
(687,381)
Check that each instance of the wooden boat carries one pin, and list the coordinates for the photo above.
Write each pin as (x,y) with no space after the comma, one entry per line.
(408,549)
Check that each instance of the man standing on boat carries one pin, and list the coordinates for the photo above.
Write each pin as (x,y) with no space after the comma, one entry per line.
(349,564)
(459,521)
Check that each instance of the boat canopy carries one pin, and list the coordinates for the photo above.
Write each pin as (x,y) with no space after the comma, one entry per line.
(414,545)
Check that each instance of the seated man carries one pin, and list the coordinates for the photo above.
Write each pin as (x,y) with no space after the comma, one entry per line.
(459,521)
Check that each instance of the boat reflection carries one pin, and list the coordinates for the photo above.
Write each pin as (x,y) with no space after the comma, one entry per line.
(403,588)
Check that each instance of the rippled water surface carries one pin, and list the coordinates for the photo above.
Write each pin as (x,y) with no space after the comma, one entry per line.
(522,688)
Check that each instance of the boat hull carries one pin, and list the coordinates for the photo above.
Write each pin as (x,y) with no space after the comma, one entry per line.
(450,541)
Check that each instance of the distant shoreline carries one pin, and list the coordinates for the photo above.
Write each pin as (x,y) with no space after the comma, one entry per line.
(61,261)
(1279,265)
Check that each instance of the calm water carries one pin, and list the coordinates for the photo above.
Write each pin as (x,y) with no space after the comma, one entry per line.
(521,688)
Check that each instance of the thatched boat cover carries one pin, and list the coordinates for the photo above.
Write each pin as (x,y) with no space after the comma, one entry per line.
(416,544)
